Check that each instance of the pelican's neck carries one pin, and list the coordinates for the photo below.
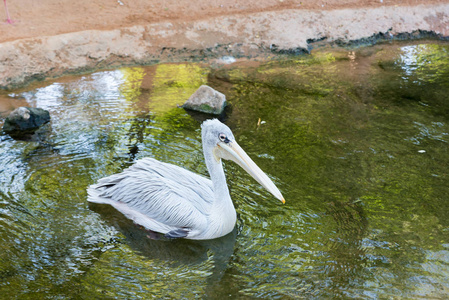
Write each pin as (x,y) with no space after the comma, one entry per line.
(222,215)
(222,212)
(218,178)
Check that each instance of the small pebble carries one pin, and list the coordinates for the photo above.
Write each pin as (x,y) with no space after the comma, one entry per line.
(228,59)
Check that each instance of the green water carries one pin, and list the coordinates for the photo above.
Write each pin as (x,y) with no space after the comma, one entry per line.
(357,141)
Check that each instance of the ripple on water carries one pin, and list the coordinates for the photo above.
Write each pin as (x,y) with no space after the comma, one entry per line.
(365,213)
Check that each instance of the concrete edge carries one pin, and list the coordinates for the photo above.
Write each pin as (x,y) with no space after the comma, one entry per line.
(286,31)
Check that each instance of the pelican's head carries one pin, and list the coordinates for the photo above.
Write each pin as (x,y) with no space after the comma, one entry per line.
(218,138)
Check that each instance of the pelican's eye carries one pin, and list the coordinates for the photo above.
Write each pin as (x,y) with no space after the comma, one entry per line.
(223,138)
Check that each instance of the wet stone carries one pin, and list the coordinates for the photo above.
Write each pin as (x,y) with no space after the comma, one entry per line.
(25,120)
(206,100)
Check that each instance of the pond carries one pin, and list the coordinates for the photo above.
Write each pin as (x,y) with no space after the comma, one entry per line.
(356,140)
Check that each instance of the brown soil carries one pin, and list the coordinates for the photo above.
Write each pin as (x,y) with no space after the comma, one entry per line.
(34,18)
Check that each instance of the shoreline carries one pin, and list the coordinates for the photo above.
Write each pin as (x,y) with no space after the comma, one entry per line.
(290,31)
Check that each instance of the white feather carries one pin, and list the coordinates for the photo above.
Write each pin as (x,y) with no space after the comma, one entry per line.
(174,201)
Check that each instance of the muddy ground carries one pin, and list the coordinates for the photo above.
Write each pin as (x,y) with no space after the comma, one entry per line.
(49,38)
(35,18)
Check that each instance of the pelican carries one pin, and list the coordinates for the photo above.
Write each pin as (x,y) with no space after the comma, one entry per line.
(178,203)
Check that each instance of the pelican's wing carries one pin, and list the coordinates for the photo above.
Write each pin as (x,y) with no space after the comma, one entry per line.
(159,196)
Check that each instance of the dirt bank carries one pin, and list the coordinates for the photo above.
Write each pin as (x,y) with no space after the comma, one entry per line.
(50,38)
(48,17)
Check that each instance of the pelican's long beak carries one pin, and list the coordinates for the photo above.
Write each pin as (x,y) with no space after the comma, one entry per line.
(234,152)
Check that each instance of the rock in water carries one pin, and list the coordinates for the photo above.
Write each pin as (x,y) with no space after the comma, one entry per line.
(206,100)
(25,120)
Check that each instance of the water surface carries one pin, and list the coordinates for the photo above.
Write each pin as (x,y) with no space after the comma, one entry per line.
(357,141)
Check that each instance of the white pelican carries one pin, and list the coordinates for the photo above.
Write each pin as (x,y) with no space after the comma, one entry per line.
(178,203)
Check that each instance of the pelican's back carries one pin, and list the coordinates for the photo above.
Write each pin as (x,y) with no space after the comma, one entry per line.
(159,196)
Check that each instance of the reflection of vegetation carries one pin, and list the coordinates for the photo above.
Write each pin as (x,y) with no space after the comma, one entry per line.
(173,84)
(132,83)
(138,132)
(163,88)
(418,76)
(366,212)
(161,280)
(425,63)
(351,155)
(299,75)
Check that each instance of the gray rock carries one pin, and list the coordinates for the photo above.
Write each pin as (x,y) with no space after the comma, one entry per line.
(25,120)
(206,100)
